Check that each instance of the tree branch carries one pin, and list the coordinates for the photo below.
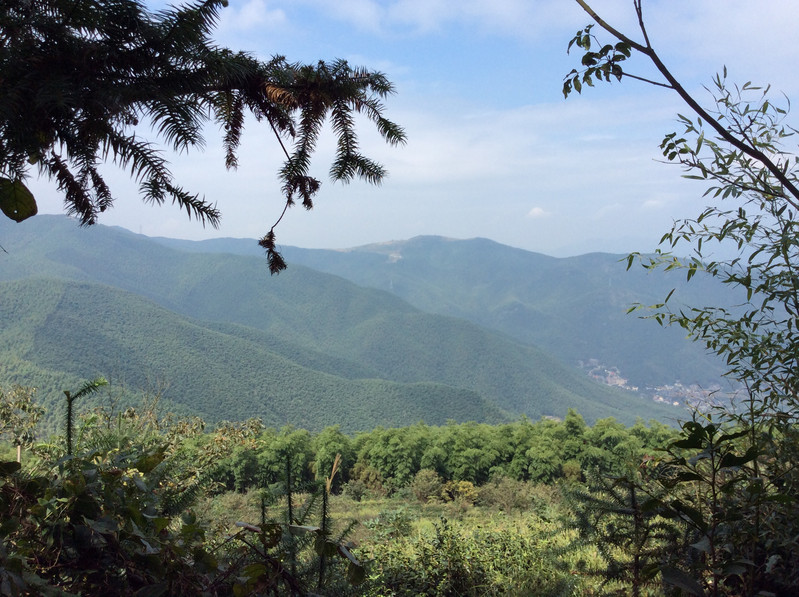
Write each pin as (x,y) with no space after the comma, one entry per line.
(645,80)
(614,32)
(725,134)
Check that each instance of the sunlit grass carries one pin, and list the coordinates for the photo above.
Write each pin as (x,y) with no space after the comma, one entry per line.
(521,552)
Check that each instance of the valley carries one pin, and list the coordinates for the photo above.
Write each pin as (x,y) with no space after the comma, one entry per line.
(380,335)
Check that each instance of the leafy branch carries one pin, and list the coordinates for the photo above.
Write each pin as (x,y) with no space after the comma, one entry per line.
(607,62)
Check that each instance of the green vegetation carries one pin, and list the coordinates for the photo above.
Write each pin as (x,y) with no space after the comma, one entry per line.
(19,416)
(307,349)
(725,495)
(385,461)
(126,502)
(575,307)
(111,514)
(159,505)
(218,375)
(137,504)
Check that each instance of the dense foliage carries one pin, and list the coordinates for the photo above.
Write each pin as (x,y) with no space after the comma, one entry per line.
(708,509)
(111,514)
(79,76)
(109,503)
(385,461)
(124,492)
(575,307)
(728,484)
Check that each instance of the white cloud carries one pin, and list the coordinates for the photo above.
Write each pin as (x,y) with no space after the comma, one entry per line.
(497,16)
(420,15)
(519,18)
(652,204)
(537,212)
(365,14)
(608,210)
(755,40)
(249,15)
(476,163)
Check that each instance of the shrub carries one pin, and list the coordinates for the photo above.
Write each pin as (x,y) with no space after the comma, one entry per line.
(572,471)
(454,561)
(459,491)
(370,479)
(427,485)
(390,524)
(506,494)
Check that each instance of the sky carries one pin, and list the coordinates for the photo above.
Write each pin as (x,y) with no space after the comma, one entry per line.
(494,150)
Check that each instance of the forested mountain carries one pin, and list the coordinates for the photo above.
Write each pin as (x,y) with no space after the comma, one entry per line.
(228,341)
(216,371)
(574,308)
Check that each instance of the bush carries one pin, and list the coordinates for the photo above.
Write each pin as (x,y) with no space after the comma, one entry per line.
(459,491)
(390,524)
(506,494)
(481,563)
(370,480)
(355,489)
(427,485)
(572,471)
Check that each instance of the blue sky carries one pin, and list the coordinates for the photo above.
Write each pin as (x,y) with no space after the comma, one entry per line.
(494,150)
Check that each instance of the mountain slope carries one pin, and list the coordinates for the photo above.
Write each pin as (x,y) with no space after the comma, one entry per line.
(87,329)
(372,333)
(575,308)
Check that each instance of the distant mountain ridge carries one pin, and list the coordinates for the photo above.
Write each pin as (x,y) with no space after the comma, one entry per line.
(575,307)
(306,348)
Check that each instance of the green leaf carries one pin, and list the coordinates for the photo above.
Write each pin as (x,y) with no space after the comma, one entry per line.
(734,569)
(731,460)
(732,436)
(148,462)
(160,523)
(9,526)
(103,525)
(325,547)
(255,571)
(16,201)
(356,574)
(702,545)
(686,476)
(780,498)
(691,442)
(140,484)
(8,468)
(624,48)
(678,578)
(690,513)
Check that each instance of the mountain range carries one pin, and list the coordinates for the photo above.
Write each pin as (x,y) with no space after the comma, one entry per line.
(428,329)
(574,308)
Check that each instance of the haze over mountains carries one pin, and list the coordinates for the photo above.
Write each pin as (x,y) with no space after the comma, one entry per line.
(575,308)
(427,329)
